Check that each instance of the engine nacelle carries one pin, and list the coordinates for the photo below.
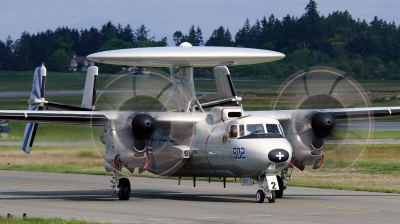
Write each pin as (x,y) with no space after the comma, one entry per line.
(305,131)
(132,132)
(103,137)
(115,160)
(112,162)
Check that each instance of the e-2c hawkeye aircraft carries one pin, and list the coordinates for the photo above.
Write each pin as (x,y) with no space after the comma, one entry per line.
(187,141)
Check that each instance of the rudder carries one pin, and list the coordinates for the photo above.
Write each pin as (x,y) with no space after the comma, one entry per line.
(89,92)
(36,102)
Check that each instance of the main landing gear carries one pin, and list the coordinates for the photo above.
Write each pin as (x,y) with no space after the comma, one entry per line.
(121,186)
(285,176)
(279,193)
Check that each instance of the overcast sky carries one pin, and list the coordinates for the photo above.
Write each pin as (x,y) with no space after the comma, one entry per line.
(164,17)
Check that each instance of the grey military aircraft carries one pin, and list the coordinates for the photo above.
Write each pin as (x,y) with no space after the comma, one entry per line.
(193,139)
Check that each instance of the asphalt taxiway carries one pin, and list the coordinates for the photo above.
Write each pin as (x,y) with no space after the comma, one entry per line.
(90,198)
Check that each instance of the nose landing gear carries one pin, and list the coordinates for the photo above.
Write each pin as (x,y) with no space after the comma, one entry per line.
(260,196)
(268,184)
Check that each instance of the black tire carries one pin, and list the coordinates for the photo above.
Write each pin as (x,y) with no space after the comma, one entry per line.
(260,196)
(124,189)
(279,193)
(272,198)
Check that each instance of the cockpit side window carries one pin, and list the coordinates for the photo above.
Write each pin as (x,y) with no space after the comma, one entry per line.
(233,133)
(275,128)
(272,128)
(255,128)
(281,129)
(241,130)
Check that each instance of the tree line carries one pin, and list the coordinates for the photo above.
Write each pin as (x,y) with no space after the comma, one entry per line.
(364,50)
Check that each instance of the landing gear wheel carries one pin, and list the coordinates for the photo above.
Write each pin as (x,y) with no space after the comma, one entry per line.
(272,198)
(124,189)
(260,196)
(279,193)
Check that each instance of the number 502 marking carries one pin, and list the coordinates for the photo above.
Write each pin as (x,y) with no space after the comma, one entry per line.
(238,153)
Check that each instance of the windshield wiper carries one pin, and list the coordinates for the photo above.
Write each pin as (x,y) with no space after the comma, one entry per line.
(252,133)
(276,133)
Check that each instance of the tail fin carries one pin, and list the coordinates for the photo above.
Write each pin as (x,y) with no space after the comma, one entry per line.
(224,82)
(35,103)
(89,93)
(225,89)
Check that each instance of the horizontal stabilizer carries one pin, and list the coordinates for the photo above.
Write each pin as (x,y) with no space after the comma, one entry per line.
(62,106)
(89,94)
(224,102)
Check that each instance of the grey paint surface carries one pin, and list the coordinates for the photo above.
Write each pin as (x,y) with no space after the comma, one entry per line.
(163,201)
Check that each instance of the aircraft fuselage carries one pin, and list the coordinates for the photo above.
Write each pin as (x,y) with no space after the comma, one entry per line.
(216,151)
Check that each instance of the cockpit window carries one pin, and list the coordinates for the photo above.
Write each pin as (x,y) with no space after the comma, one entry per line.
(255,128)
(253,131)
(241,130)
(280,128)
(233,132)
(272,128)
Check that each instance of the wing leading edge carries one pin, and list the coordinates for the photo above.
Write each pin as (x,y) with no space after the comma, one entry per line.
(338,113)
(95,118)
(104,118)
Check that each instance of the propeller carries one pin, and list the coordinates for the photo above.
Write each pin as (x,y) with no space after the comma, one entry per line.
(134,97)
(310,130)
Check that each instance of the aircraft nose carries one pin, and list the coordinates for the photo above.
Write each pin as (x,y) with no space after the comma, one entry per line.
(278,155)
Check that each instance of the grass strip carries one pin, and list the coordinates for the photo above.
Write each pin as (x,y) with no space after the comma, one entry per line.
(34,220)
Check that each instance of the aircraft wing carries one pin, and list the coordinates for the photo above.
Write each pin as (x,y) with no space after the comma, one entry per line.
(104,118)
(336,113)
(94,118)
(306,129)
(57,117)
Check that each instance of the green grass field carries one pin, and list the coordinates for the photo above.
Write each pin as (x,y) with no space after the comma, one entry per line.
(35,220)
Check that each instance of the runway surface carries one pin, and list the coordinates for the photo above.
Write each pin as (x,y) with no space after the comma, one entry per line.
(90,198)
